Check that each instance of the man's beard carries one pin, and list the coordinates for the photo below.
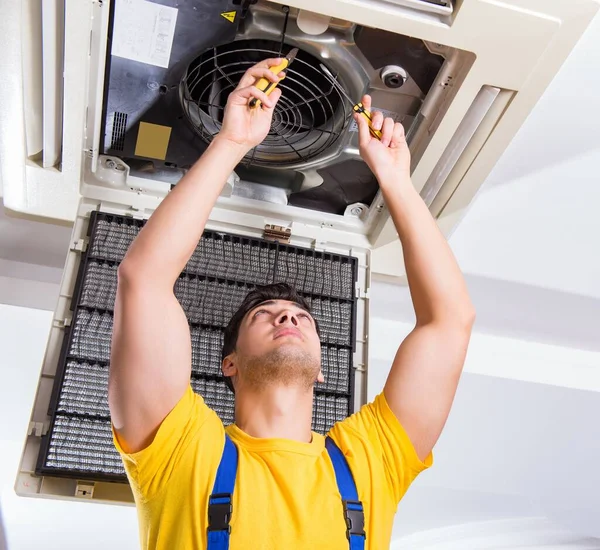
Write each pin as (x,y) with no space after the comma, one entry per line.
(287,366)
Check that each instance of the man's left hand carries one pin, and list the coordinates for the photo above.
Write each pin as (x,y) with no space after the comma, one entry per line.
(249,127)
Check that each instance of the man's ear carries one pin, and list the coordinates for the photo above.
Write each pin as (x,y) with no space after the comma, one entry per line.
(320,377)
(228,365)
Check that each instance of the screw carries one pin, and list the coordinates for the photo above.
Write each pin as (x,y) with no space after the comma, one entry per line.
(111,164)
(356,211)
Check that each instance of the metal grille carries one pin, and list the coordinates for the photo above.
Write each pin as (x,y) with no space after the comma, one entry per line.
(117,139)
(214,282)
(309,118)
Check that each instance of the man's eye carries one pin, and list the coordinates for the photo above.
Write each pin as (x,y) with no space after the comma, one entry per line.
(258,312)
(306,315)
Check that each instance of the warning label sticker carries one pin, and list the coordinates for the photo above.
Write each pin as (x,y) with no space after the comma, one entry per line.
(229,15)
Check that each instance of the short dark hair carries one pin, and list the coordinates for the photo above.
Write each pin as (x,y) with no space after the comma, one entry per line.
(275,291)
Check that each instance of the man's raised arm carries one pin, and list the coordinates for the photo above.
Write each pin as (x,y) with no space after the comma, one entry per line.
(150,363)
(424,376)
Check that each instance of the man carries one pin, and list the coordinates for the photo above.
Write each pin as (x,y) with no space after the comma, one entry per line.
(286,495)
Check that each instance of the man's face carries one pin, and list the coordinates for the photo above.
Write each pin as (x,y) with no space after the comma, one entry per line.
(277,344)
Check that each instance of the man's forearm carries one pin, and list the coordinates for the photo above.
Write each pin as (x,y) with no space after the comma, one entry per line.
(437,286)
(170,236)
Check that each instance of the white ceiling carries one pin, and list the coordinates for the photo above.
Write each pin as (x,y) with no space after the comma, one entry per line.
(541,229)
(509,451)
(535,221)
(30,242)
(564,123)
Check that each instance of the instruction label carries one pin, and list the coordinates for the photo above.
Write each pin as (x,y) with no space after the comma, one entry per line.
(143,31)
(229,15)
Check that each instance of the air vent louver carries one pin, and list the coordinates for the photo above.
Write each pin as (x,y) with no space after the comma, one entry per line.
(119,127)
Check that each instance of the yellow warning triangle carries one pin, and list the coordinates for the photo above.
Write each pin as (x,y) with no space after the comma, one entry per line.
(229,15)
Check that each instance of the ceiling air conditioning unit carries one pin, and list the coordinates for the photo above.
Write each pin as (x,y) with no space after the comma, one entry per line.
(107,103)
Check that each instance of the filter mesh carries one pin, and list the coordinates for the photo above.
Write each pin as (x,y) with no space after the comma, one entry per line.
(209,302)
(335,364)
(222,270)
(327,276)
(234,258)
(84,445)
(112,237)
(325,409)
(206,350)
(84,389)
(91,335)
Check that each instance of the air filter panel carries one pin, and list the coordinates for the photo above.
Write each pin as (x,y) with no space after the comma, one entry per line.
(222,270)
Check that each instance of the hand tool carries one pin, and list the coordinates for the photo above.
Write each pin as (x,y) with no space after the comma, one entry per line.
(357,107)
(267,86)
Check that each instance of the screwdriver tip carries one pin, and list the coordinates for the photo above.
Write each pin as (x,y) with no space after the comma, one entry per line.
(326,70)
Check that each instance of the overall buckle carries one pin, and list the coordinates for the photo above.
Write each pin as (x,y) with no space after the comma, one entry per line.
(355,518)
(219,513)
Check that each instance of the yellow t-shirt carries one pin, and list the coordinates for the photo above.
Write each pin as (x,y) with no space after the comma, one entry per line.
(285,493)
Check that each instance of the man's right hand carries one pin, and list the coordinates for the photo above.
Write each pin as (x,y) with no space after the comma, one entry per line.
(249,127)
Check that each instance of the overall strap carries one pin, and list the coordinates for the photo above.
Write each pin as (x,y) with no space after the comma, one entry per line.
(220,501)
(353,508)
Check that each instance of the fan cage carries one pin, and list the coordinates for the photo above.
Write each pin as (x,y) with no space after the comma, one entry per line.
(215,280)
(309,118)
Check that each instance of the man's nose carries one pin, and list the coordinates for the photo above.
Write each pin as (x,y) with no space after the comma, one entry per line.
(287,317)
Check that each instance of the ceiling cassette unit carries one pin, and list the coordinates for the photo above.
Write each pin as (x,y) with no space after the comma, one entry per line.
(107,104)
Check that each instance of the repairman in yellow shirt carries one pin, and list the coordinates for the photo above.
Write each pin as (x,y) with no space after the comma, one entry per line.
(286,492)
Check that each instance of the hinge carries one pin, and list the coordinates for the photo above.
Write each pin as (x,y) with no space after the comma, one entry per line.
(277,233)
(85,489)
(38,429)
(66,322)
(360,293)
(79,245)
(360,367)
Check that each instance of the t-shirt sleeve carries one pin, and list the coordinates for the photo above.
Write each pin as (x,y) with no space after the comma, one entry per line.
(150,469)
(382,437)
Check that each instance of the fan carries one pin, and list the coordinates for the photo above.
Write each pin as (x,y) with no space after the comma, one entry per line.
(309,118)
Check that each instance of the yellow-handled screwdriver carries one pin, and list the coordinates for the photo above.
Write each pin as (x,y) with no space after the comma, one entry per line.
(357,107)
(267,86)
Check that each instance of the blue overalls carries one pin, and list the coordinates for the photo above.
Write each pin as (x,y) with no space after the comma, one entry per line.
(220,502)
